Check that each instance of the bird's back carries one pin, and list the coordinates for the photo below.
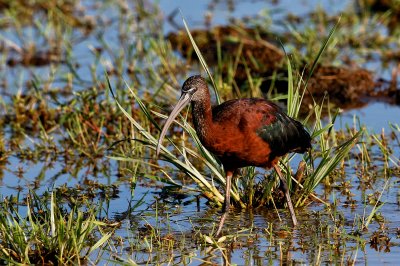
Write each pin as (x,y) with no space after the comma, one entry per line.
(252,123)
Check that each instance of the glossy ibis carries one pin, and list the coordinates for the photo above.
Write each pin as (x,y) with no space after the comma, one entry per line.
(241,132)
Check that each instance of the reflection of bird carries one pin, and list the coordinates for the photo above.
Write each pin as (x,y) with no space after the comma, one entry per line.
(242,132)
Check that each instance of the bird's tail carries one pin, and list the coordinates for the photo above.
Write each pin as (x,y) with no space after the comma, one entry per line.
(303,138)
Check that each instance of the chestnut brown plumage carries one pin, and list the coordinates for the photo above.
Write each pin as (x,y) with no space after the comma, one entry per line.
(241,132)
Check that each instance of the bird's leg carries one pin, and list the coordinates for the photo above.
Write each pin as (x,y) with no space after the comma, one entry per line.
(287,195)
(228,191)
(227,202)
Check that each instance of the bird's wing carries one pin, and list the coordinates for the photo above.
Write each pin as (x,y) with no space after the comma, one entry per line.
(283,133)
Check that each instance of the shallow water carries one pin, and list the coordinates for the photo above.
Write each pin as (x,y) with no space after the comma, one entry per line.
(222,12)
(183,217)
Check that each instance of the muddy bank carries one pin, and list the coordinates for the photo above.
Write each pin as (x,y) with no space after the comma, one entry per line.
(259,55)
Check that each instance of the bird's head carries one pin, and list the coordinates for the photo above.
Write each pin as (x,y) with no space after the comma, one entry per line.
(193,89)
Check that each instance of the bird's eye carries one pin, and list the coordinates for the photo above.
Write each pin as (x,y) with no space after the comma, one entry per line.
(190,90)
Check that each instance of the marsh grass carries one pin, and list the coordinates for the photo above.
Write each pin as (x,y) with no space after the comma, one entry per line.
(68,122)
(49,233)
(328,153)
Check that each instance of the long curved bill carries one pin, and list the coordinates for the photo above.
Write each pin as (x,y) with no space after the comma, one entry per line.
(183,101)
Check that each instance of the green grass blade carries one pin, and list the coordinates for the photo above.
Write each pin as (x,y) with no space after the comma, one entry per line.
(100,242)
(320,52)
(201,59)
(329,162)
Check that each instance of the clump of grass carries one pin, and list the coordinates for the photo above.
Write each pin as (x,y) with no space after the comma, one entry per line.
(48,234)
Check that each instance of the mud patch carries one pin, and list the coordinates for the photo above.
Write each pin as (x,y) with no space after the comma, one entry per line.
(34,57)
(343,85)
(254,50)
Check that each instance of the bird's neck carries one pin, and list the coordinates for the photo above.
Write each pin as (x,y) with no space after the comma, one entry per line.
(202,118)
